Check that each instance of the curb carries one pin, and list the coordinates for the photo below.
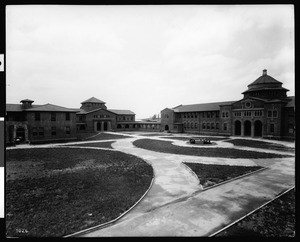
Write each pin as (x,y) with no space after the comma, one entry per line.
(193,173)
(231,224)
(100,226)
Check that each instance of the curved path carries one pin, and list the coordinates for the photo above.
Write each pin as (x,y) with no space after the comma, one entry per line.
(176,205)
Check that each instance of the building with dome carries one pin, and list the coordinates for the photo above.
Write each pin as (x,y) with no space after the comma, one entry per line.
(264,111)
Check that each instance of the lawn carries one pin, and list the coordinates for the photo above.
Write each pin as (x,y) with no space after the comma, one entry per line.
(52,192)
(260,144)
(276,219)
(168,147)
(210,175)
(188,138)
(101,136)
(98,144)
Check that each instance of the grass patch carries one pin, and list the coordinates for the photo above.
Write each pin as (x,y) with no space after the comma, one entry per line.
(260,144)
(210,175)
(276,219)
(52,192)
(167,147)
(188,138)
(102,136)
(98,144)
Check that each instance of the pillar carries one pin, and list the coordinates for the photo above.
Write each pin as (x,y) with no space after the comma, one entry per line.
(95,126)
(108,125)
(252,129)
(242,128)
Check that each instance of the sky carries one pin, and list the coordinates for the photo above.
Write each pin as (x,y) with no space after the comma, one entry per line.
(145,58)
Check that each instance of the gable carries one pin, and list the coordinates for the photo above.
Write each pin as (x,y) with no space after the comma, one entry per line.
(248,103)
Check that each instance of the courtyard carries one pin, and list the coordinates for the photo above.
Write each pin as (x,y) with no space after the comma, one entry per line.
(176,188)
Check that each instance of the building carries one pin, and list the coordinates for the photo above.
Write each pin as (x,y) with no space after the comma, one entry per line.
(39,123)
(264,111)
(93,116)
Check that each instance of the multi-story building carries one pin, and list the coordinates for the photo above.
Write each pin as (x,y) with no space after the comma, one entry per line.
(39,123)
(264,111)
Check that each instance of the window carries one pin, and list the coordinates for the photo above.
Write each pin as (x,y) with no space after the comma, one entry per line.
(274,114)
(131,118)
(196,125)
(226,114)
(67,116)
(53,131)
(184,115)
(225,126)
(53,116)
(291,128)
(68,130)
(192,125)
(184,125)
(208,126)
(208,114)
(223,114)
(34,132)
(123,117)
(269,114)
(217,125)
(272,128)
(188,125)
(203,126)
(41,131)
(217,114)
(212,126)
(37,116)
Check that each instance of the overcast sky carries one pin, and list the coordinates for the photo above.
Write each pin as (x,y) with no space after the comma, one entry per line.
(145,58)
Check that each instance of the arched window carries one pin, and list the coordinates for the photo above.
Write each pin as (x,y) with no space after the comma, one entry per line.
(192,125)
(203,125)
(274,114)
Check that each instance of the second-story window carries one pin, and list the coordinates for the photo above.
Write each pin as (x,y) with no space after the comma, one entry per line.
(37,116)
(67,116)
(53,116)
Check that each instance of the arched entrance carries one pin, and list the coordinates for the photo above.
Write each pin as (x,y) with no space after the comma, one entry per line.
(119,126)
(247,128)
(105,126)
(237,127)
(258,128)
(166,127)
(20,134)
(126,126)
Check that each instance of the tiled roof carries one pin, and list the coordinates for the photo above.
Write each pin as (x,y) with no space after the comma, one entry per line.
(50,108)
(122,112)
(92,100)
(201,107)
(291,103)
(16,107)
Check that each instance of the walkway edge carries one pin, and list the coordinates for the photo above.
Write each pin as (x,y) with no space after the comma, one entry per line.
(100,226)
(231,224)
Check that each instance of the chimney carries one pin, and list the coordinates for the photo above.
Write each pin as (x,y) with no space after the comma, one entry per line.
(264,72)
(26,103)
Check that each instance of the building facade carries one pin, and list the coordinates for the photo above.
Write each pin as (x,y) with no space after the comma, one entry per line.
(39,123)
(264,111)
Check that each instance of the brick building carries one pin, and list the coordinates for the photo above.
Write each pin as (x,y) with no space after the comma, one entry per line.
(264,111)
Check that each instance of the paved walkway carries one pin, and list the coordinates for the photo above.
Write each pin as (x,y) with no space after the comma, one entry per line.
(176,204)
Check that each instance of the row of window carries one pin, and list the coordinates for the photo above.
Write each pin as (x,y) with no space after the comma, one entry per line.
(210,125)
(102,116)
(210,114)
(144,126)
(39,131)
(190,125)
(124,118)
(53,116)
(257,113)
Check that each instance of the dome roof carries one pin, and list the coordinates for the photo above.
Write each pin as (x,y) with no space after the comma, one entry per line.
(265,81)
